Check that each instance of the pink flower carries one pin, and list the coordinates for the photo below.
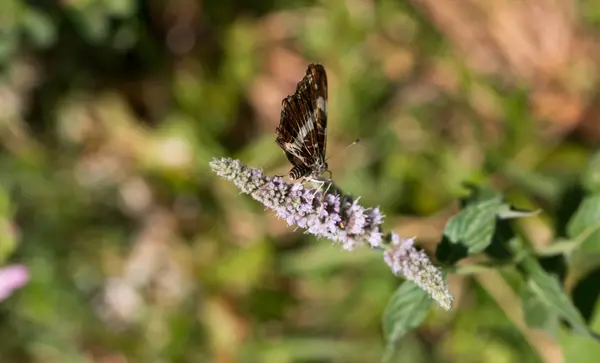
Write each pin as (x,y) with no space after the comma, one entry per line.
(12,277)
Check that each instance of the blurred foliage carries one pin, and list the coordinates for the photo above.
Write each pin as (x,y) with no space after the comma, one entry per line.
(110,111)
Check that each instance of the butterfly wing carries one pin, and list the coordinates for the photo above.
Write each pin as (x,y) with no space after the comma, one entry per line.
(302,131)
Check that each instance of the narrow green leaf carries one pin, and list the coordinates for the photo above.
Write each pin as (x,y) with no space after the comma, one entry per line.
(537,314)
(548,291)
(506,211)
(585,224)
(591,176)
(407,308)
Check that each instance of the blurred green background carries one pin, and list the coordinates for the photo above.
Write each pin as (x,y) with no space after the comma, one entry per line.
(110,111)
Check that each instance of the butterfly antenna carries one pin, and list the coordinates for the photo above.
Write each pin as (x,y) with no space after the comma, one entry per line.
(347,147)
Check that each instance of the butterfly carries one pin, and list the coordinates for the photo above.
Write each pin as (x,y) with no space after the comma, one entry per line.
(302,130)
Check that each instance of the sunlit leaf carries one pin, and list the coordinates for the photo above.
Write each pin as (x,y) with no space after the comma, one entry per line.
(506,211)
(474,226)
(585,224)
(407,308)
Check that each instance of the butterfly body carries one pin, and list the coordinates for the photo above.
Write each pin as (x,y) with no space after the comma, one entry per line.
(302,131)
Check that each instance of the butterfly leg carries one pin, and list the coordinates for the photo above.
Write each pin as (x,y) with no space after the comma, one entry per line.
(328,186)
(325,192)
(320,182)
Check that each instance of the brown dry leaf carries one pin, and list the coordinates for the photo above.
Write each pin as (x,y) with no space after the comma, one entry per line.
(562,109)
(531,41)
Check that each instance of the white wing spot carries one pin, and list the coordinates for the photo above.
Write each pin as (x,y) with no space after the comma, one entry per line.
(291,147)
(322,104)
(304,130)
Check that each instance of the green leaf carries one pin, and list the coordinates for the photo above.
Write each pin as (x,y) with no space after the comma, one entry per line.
(481,225)
(506,211)
(92,22)
(591,176)
(537,314)
(406,310)
(478,194)
(585,224)
(40,28)
(120,8)
(550,293)
(474,226)
(584,294)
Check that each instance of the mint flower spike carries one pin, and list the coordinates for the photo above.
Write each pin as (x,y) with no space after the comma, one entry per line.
(339,218)
(405,260)
(333,216)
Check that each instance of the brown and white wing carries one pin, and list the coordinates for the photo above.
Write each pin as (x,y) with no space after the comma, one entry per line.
(302,131)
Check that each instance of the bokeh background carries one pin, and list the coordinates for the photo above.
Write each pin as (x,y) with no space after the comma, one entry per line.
(110,111)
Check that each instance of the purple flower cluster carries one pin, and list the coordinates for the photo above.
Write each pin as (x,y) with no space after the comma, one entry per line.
(405,260)
(337,217)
